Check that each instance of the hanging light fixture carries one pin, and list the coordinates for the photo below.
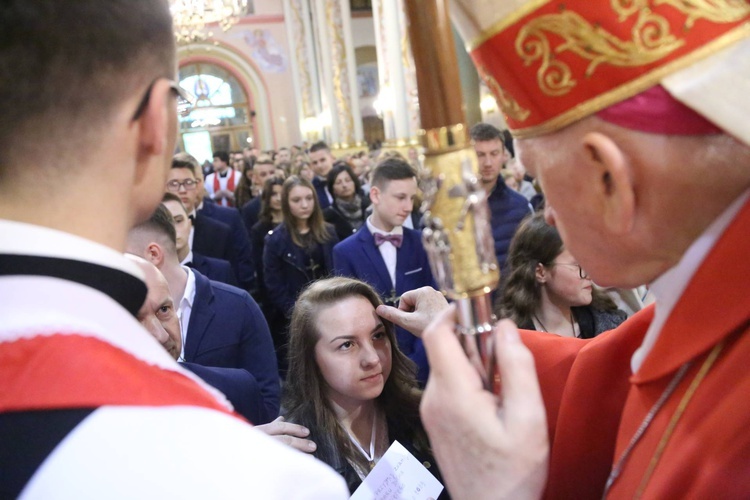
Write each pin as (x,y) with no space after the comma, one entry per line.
(192,16)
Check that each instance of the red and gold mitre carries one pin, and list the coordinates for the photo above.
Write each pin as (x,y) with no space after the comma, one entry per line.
(550,63)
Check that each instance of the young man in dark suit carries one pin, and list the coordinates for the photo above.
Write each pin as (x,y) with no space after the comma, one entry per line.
(321,162)
(385,254)
(210,267)
(221,325)
(217,231)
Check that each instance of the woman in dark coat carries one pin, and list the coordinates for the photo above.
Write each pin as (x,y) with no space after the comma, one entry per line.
(347,213)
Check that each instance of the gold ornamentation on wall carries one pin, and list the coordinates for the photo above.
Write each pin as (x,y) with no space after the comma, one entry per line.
(508,105)
(300,43)
(341,87)
(651,40)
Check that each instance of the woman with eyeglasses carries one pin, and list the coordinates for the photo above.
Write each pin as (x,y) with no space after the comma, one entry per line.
(547,290)
(349,383)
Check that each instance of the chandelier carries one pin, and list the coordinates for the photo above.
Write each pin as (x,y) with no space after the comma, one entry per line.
(191,17)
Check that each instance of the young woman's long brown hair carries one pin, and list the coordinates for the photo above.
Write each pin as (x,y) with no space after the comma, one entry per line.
(319,228)
(266,216)
(305,390)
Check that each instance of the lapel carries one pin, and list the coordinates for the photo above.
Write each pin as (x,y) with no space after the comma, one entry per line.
(367,243)
(715,304)
(201,315)
(404,259)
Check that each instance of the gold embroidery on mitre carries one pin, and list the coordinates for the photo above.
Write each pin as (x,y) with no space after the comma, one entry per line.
(716,11)
(507,104)
(650,41)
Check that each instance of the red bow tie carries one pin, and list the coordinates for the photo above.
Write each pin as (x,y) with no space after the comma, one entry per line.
(395,239)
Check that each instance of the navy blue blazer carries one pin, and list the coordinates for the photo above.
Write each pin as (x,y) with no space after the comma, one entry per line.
(240,388)
(286,265)
(227,329)
(214,269)
(240,240)
(320,189)
(507,209)
(359,257)
(250,212)
(212,238)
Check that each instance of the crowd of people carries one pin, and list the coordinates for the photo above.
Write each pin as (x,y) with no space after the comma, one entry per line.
(153,307)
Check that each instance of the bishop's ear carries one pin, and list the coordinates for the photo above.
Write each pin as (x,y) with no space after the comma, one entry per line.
(613,180)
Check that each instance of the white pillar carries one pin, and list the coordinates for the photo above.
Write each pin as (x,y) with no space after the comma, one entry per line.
(398,87)
(304,67)
(338,78)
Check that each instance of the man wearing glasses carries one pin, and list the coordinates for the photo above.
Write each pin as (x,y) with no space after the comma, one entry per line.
(90,404)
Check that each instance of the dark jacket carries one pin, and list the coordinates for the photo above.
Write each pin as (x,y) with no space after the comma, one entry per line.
(227,329)
(320,186)
(507,210)
(250,212)
(214,269)
(328,453)
(240,240)
(343,227)
(286,266)
(590,320)
(212,238)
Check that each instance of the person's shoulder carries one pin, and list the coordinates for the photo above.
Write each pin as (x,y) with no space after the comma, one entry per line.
(224,291)
(215,463)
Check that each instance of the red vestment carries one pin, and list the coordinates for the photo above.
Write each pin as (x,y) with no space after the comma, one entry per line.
(595,404)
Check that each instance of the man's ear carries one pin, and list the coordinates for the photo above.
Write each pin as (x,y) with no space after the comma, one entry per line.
(155,254)
(153,126)
(375,195)
(540,273)
(614,181)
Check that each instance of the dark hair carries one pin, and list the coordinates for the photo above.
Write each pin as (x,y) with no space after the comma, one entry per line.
(65,66)
(173,197)
(392,169)
(319,228)
(222,155)
(265,215)
(243,192)
(184,160)
(338,167)
(305,389)
(161,223)
(535,242)
(320,145)
(485,132)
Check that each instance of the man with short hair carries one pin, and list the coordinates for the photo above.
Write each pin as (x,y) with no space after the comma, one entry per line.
(213,269)
(264,169)
(86,392)
(221,183)
(221,325)
(159,317)
(217,231)
(321,162)
(385,254)
(507,207)
(283,155)
(658,407)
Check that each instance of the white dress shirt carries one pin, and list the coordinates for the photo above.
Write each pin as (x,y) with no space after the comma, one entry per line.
(185,307)
(387,249)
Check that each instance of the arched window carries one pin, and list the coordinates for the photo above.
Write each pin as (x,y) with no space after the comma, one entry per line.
(221,119)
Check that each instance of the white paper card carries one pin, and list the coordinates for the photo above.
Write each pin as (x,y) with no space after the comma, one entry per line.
(398,475)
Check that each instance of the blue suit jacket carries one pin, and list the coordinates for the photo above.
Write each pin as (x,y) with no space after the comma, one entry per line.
(240,388)
(227,329)
(214,269)
(507,209)
(320,189)
(240,241)
(250,212)
(212,238)
(359,257)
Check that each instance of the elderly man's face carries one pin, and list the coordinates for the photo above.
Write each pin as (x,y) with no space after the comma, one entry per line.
(158,314)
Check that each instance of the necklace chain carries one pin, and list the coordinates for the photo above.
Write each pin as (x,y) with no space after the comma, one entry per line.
(572,324)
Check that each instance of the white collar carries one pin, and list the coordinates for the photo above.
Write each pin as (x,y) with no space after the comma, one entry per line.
(20,238)
(188,259)
(189,295)
(668,287)
(374,230)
